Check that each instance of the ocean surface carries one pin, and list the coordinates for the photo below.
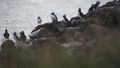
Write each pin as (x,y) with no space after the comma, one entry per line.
(18,15)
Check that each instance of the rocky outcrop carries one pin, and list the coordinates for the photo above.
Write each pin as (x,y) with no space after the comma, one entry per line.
(94,25)
(7,46)
(107,15)
(42,32)
(94,32)
(71,31)
(112,3)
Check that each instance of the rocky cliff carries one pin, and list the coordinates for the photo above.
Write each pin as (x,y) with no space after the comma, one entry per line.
(103,20)
(95,25)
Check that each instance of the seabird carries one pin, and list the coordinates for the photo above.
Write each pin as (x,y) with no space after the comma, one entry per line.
(65,19)
(16,37)
(54,17)
(22,36)
(114,0)
(92,7)
(6,34)
(80,14)
(39,20)
(97,4)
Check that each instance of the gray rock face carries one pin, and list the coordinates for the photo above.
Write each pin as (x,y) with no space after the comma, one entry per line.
(113,3)
(94,32)
(42,32)
(71,31)
(45,33)
(106,15)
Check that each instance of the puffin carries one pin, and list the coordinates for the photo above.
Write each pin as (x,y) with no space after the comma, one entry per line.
(80,13)
(91,8)
(6,34)
(16,37)
(97,4)
(94,6)
(22,36)
(65,19)
(39,20)
(53,17)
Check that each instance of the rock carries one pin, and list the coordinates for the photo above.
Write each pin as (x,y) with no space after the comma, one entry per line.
(68,34)
(37,28)
(42,32)
(112,3)
(41,41)
(83,25)
(20,44)
(80,37)
(76,21)
(73,48)
(72,44)
(8,46)
(74,18)
(70,31)
(93,26)
(45,33)
(107,16)
(94,32)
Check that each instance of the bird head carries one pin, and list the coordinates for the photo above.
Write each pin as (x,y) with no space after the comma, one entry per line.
(14,33)
(79,10)
(38,17)
(22,32)
(52,13)
(6,30)
(64,15)
(98,2)
(93,4)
